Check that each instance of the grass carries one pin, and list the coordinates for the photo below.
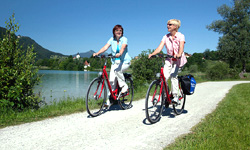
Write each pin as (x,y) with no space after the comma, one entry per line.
(226,128)
(64,106)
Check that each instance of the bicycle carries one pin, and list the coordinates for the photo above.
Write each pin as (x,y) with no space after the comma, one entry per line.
(158,94)
(97,92)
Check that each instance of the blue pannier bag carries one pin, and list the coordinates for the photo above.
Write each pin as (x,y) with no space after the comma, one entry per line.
(188,84)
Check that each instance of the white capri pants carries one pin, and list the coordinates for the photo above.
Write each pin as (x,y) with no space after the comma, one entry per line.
(116,73)
(171,70)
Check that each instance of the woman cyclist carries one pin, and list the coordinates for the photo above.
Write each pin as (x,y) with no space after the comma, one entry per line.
(174,43)
(119,49)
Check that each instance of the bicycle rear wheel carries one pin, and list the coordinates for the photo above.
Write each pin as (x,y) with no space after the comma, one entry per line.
(125,102)
(154,102)
(96,97)
(178,108)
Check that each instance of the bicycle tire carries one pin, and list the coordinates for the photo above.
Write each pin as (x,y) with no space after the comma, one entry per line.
(125,102)
(94,101)
(178,108)
(153,108)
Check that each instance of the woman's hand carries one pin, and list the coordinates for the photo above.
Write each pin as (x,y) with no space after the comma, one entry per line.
(149,56)
(177,56)
(95,54)
(118,55)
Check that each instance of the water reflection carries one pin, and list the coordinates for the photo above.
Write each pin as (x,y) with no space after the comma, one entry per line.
(58,84)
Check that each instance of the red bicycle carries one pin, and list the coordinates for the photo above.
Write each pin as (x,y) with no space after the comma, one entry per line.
(158,94)
(97,92)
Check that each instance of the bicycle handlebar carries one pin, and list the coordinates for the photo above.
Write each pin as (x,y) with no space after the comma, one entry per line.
(104,56)
(162,56)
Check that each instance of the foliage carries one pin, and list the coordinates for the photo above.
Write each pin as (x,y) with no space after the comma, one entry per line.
(220,70)
(17,76)
(69,63)
(144,69)
(235,27)
(196,59)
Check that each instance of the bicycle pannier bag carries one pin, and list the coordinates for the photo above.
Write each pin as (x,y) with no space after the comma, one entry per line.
(188,84)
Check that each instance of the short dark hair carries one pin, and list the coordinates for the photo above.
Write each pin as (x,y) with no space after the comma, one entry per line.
(117,27)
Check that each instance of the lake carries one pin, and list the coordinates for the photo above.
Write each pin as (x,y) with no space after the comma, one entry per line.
(56,84)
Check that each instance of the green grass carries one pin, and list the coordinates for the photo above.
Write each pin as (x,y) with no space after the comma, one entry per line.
(228,127)
(63,107)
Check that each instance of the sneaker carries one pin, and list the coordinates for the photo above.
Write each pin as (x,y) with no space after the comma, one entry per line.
(124,89)
(107,104)
(176,100)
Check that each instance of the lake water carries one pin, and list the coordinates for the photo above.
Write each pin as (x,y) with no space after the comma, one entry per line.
(56,84)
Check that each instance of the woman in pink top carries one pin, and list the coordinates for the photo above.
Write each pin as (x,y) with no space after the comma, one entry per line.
(174,43)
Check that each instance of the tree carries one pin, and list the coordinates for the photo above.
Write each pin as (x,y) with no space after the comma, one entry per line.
(17,74)
(234,45)
(144,69)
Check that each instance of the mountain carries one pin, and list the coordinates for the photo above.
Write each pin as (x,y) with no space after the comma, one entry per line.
(88,54)
(25,41)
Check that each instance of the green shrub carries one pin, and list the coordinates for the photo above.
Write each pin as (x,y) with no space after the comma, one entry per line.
(193,68)
(144,69)
(248,67)
(17,74)
(218,71)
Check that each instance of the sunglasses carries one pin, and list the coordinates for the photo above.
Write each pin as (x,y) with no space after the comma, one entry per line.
(170,24)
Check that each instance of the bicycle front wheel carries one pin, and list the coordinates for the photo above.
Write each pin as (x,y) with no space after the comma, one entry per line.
(125,102)
(178,108)
(96,97)
(154,102)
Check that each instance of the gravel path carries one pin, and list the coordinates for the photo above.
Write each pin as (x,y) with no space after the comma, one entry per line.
(116,129)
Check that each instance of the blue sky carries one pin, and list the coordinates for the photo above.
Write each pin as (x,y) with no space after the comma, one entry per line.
(72,26)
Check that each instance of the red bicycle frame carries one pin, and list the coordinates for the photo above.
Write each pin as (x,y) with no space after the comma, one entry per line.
(164,83)
(114,94)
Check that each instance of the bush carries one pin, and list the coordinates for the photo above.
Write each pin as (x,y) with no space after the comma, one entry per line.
(218,71)
(193,68)
(247,67)
(17,76)
(144,69)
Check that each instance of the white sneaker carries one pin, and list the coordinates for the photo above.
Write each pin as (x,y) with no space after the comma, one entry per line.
(107,104)
(176,100)
(124,89)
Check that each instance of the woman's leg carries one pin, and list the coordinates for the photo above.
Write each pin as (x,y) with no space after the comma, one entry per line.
(112,76)
(167,70)
(120,77)
(174,78)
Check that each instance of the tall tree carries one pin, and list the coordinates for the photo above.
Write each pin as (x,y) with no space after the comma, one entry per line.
(235,26)
(17,74)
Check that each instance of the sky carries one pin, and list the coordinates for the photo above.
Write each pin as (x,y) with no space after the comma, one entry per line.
(72,26)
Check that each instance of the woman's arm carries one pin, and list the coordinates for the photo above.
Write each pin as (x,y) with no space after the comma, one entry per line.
(121,50)
(157,50)
(103,49)
(181,49)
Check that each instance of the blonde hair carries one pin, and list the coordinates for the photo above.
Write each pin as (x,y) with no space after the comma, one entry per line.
(175,22)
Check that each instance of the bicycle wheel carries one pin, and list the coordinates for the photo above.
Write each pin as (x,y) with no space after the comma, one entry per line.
(154,102)
(96,97)
(178,108)
(125,102)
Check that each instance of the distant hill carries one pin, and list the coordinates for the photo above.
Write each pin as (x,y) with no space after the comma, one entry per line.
(42,53)
(25,41)
(88,54)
